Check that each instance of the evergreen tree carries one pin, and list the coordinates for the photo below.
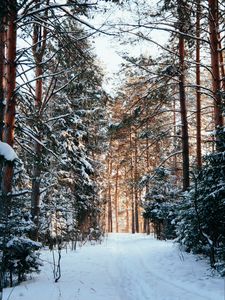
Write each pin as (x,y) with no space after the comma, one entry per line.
(160,203)
(201,219)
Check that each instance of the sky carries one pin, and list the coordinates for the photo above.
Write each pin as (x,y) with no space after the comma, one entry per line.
(109,49)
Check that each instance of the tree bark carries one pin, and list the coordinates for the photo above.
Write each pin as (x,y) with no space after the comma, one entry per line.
(136,200)
(109,200)
(222,67)
(175,141)
(116,198)
(132,185)
(183,110)
(38,48)
(183,21)
(215,60)
(2,68)
(7,68)
(127,215)
(9,115)
(8,135)
(36,176)
(198,89)
(2,82)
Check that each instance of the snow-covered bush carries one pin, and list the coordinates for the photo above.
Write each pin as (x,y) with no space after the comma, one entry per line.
(160,204)
(201,221)
(21,258)
(162,216)
(18,251)
(18,256)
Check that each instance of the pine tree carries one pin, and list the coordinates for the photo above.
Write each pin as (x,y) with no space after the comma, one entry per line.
(160,201)
(201,221)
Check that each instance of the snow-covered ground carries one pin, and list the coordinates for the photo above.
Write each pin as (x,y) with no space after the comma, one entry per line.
(124,267)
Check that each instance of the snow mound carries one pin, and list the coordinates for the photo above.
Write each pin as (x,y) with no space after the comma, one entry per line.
(7,152)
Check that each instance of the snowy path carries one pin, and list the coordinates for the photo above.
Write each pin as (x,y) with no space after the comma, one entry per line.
(124,267)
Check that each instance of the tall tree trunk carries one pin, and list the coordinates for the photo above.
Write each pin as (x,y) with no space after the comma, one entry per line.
(175,140)
(2,63)
(215,60)
(116,199)
(38,48)
(127,214)
(146,221)
(198,89)
(2,70)
(132,210)
(183,15)
(36,176)
(9,117)
(7,68)
(127,203)
(110,226)
(132,185)
(8,135)
(222,67)
(147,153)
(183,110)
(2,82)
(109,198)
(136,200)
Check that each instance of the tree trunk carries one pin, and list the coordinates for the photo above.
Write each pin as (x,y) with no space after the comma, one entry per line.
(10,81)
(198,89)
(35,196)
(222,70)
(116,198)
(109,200)
(182,97)
(132,212)
(38,48)
(136,200)
(2,81)
(126,193)
(175,141)
(127,213)
(2,71)
(7,68)
(9,117)
(215,60)
(132,186)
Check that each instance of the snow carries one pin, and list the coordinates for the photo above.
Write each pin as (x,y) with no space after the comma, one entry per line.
(7,152)
(123,267)
(21,240)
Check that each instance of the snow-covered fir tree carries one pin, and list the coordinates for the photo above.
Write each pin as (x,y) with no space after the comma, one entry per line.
(201,219)
(160,202)
(72,131)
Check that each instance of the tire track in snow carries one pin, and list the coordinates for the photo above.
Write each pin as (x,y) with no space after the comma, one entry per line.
(118,276)
(147,285)
(186,293)
(130,286)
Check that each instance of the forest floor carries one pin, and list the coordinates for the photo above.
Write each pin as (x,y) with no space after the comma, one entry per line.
(123,267)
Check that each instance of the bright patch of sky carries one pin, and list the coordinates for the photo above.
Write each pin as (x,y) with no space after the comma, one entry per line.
(110,49)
